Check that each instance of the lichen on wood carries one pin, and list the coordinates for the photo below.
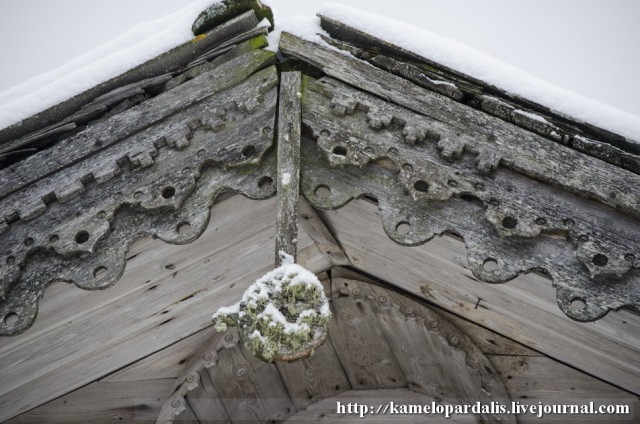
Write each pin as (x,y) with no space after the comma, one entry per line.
(284,315)
(221,12)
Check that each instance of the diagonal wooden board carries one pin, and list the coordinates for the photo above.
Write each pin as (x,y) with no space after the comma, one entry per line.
(166,294)
(524,309)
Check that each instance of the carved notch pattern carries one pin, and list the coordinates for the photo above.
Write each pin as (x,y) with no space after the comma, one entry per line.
(430,178)
(159,182)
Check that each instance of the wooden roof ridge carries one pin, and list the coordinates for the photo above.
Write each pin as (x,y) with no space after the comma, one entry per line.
(217,30)
(433,164)
(553,125)
(434,155)
(148,167)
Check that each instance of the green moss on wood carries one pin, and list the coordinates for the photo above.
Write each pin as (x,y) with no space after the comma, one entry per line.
(223,11)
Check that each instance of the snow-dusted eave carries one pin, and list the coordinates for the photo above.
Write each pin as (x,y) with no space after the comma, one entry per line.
(473,65)
(132,48)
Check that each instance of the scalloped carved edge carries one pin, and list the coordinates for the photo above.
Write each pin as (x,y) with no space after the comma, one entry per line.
(384,298)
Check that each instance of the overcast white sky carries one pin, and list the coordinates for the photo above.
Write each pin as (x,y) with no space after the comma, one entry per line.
(587,46)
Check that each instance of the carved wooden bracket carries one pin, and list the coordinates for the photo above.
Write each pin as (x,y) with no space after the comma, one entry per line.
(522,200)
(153,171)
(431,177)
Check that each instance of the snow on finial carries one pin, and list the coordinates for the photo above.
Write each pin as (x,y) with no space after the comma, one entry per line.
(283,316)
(286,258)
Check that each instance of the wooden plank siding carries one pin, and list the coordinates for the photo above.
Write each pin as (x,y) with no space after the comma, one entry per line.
(529,376)
(167,293)
(523,309)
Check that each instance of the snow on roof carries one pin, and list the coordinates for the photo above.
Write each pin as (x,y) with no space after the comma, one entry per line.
(476,64)
(150,39)
(130,49)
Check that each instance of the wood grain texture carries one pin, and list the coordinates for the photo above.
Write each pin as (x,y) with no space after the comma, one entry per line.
(472,92)
(288,177)
(314,378)
(205,402)
(170,61)
(523,310)
(166,363)
(318,231)
(167,293)
(325,410)
(163,190)
(102,403)
(532,380)
(436,358)
(361,346)
(251,390)
(552,163)
(370,147)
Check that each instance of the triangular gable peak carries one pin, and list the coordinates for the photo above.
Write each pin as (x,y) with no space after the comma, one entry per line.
(387,135)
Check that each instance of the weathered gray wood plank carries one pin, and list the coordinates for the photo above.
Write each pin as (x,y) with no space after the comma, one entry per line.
(481,95)
(29,140)
(167,293)
(489,342)
(170,182)
(520,150)
(524,310)
(103,403)
(112,130)
(325,410)
(169,61)
(435,357)
(314,378)
(251,390)
(318,231)
(205,401)
(505,218)
(288,181)
(362,348)
(532,380)
(166,363)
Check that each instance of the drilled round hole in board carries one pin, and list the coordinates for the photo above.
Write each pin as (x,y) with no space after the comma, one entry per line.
(600,260)
(82,237)
(509,222)
(421,186)
(578,304)
(11,260)
(168,192)
(100,272)
(490,264)
(10,319)
(248,151)
(339,151)
(183,228)
(265,182)
(323,191)
(403,228)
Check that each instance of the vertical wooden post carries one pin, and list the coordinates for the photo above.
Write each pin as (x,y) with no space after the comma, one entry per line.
(288,165)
